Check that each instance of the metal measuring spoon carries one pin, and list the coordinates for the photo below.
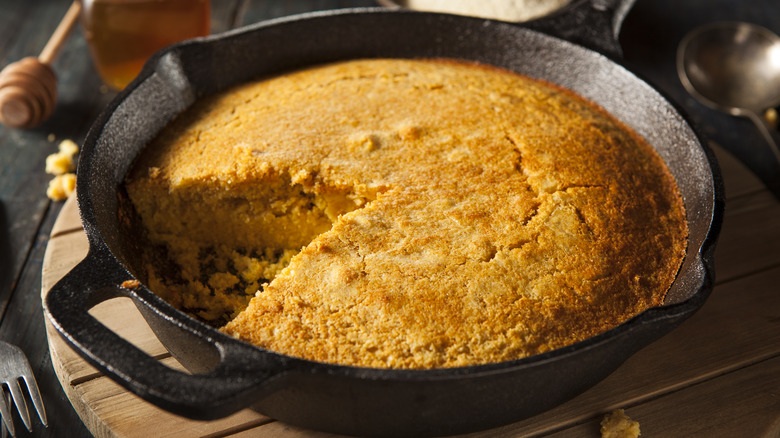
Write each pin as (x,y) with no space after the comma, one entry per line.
(733,67)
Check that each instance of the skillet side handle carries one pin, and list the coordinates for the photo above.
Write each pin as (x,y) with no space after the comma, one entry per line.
(242,376)
(594,24)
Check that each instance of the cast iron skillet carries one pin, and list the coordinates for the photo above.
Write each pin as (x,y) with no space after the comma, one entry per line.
(230,375)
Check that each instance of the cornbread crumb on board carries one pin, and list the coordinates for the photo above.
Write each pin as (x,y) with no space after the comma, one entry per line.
(61,186)
(406,214)
(62,161)
(617,424)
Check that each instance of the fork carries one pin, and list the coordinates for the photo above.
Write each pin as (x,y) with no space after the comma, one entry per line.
(14,369)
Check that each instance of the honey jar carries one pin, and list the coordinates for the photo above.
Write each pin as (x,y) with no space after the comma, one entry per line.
(123,34)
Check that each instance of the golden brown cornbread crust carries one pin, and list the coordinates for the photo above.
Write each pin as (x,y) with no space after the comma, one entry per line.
(477,215)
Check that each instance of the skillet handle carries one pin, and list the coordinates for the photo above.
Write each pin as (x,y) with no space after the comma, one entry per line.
(594,24)
(242,374)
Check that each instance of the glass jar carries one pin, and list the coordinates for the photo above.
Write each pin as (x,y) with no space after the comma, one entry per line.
(123,34)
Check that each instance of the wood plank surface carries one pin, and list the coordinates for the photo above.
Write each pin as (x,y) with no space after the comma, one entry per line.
(733,340)
(744,403)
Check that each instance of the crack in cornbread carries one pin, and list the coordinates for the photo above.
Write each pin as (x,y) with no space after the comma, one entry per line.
(407,214)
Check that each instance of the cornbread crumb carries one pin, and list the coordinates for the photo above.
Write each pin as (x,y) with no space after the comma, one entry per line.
(131,284)
(406,214)
(61,164)
(617,424)
(62,161)
(68,147)
(57,164)
(61,186)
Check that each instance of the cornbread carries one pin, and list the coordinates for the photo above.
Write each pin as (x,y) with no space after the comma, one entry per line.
(62,161)
(61,164)
(406,214)
(617,424)
(61,186)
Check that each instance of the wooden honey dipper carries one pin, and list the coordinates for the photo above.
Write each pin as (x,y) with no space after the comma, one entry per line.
(28,87)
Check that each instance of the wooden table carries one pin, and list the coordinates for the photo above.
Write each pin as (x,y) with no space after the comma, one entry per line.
(717,375)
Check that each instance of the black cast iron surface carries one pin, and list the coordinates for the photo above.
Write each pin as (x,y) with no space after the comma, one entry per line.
(649,37)
(345,399)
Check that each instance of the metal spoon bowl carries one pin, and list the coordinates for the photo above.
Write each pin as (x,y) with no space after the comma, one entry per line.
(733,67)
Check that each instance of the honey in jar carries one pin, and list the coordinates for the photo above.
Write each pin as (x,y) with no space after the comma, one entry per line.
(123,34)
